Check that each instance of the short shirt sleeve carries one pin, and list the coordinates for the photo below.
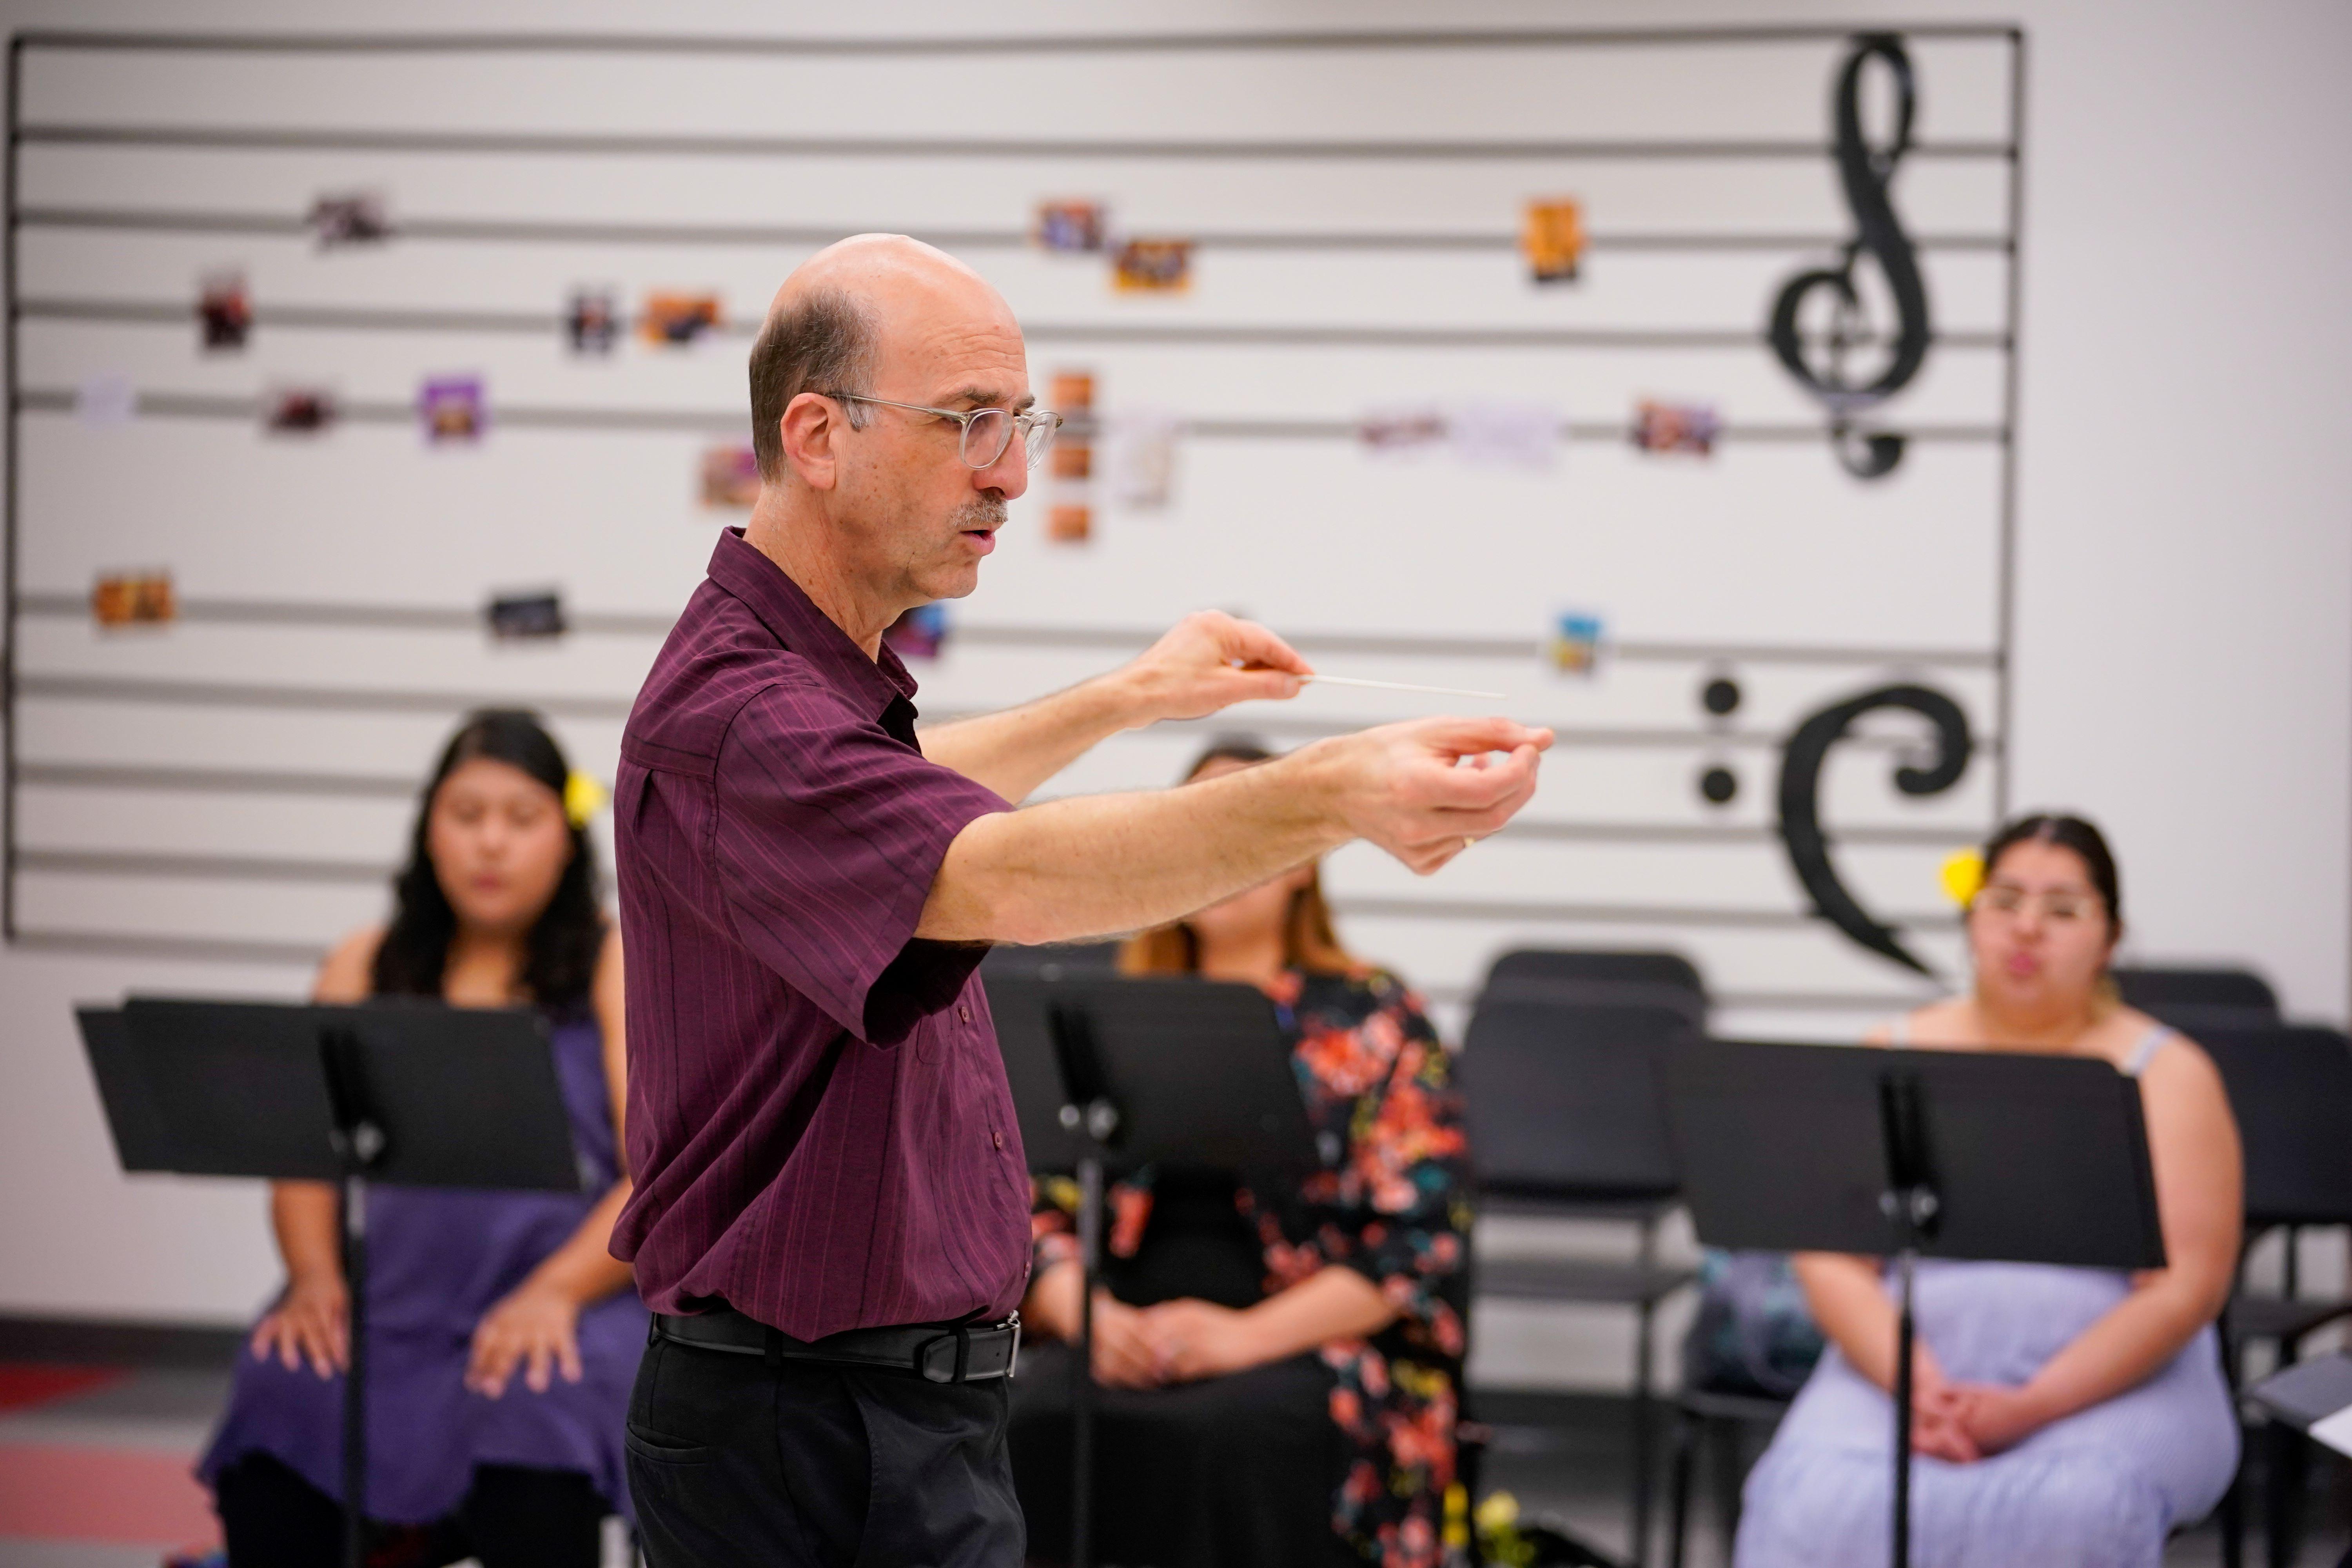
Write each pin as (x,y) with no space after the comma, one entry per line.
(828,835)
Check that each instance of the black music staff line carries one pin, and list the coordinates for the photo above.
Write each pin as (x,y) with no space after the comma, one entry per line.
(573,144)
(336,614)
(82,688)
(457,230)
(525,416)
(550,323)
(403,788)
(736,46)
(308,956)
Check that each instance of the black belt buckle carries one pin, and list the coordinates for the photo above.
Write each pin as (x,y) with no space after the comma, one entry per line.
(927,1361)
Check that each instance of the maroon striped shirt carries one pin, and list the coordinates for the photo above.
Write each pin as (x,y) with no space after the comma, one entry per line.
(819,1124)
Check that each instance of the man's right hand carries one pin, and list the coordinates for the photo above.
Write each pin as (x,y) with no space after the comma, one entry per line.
(1425,789)
(312,1323)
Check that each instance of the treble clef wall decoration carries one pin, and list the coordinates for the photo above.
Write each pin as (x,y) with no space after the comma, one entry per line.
(1865,171)
(1800,789)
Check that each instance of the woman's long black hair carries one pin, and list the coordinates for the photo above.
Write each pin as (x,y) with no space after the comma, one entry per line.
(560,954)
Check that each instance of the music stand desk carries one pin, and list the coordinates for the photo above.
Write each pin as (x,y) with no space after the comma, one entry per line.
(406,1092)
(1989,1156)
(1109,1074)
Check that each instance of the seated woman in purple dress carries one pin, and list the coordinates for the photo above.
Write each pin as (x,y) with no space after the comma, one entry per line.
(2064,1418)
(502,1335)
(1281,1364)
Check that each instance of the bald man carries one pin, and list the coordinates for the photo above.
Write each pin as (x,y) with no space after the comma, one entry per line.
(830,1215)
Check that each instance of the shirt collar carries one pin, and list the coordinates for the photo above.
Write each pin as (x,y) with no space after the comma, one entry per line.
(785,609)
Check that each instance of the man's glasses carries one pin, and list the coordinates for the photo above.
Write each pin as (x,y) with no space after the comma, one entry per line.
(2058,907)
(986,431)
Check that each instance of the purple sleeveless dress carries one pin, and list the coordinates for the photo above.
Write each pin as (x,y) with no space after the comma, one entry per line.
(437,1259)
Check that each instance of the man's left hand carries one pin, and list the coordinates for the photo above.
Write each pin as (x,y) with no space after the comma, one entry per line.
(1208,661)
(1192,1340)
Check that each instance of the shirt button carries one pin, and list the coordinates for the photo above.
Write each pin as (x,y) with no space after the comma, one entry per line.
(997,1138)
(963,1011)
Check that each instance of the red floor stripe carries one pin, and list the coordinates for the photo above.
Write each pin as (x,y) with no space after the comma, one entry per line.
(60,1491)
(23,1384)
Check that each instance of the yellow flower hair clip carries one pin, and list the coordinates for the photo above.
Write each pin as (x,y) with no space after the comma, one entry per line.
(1964,876)
(583,797)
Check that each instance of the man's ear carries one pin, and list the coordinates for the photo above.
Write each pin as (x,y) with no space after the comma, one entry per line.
(810,426)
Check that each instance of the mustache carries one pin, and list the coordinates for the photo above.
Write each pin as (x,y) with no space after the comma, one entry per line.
(981,512)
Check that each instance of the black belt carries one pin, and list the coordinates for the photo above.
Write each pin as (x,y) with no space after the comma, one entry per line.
(937,1352)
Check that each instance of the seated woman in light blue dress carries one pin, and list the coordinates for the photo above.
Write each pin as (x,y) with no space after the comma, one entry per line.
(2064,1417)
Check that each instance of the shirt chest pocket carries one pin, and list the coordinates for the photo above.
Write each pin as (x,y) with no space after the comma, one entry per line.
(944,1032)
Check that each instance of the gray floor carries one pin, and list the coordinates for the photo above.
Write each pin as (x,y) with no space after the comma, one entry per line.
(1563,1457)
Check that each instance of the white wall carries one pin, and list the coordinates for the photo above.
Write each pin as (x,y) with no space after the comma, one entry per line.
(2184,633)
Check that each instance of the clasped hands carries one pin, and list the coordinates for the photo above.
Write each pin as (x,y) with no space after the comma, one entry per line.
(1175,1341)
(1961,1423)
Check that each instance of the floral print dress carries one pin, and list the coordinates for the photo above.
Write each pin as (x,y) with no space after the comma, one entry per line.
(1391,1202)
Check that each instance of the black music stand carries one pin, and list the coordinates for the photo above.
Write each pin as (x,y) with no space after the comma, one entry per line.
(1109,1074)
(2313,1397)
(411,1093)
(1995,1156)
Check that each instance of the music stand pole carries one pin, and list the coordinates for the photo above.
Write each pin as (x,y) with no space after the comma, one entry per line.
(358,1142)
(1911,1202)
(1089,1113)
(1082,1374)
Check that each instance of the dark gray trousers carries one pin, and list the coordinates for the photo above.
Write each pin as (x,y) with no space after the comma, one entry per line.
(802,1465)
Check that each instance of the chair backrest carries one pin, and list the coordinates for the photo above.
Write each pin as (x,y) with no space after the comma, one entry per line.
(1071,958)
(1573,978)
(2291,1089)
(1565,1102)
(2193,1000)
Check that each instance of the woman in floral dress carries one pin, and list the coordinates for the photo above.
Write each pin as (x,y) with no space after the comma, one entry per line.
(1278,1369)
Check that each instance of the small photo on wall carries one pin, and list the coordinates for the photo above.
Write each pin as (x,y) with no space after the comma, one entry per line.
(1071,228)
(120,599)
(106,401)
(1069,523)
(1152,267)
(450,408)
(678,320)
(591,321)
(920,633)
(534,615)
(298,410)
(730,476)
(223,311)
(1552,237)
(1687,427)
(1400,432)
(350,217)
(1574,647)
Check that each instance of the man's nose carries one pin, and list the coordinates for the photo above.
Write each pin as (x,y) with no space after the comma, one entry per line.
(1009,475)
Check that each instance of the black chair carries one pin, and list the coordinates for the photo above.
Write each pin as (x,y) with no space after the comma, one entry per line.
(1560,1070)
(1727,1419)
(1052,960)
(2194,1000)
(2291,1090)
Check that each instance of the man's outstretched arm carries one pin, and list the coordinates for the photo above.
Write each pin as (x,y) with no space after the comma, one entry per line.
(1206,662)
(1090,866)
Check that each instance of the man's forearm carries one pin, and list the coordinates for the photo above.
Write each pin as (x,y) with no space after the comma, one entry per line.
(1098,865)
(1015,751)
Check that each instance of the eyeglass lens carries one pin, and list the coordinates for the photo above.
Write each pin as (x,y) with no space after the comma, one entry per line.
(988,432)
(2055,906)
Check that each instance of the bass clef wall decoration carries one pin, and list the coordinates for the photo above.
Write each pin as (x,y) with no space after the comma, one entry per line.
(1801,788)
(1865,171)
